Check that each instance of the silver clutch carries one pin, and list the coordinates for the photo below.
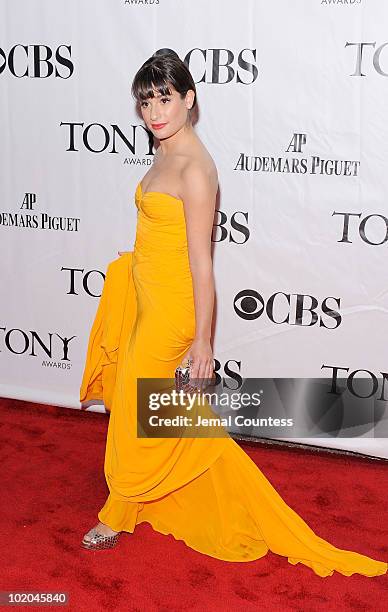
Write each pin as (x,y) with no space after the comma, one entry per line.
(182,376)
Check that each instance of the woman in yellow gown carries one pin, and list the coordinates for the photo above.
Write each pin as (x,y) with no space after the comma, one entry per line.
(154,312)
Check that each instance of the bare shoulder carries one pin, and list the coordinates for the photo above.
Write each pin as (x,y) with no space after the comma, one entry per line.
(199,178)
(199,185)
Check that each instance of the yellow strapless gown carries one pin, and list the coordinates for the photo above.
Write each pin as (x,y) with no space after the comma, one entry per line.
(206,492)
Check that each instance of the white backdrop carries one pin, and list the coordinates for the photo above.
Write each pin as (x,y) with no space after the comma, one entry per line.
(292,106)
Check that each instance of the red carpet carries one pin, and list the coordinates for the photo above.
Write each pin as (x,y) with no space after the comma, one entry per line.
(53,486)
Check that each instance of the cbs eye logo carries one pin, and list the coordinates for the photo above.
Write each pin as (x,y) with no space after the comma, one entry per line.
(37,61)
(295,308)
(248,304)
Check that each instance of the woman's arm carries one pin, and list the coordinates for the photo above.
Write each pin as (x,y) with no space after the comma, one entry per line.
(198,192)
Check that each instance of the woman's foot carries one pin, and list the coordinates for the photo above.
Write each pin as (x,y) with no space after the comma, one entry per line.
(100,536)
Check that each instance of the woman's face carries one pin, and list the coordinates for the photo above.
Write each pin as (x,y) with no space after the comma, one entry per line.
(165,115)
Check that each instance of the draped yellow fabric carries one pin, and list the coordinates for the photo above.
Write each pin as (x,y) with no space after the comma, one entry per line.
(204,491)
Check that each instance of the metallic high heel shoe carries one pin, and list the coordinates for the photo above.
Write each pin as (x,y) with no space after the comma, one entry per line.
(98,541)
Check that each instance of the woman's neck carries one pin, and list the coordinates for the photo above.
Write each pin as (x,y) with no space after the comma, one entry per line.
(179,141)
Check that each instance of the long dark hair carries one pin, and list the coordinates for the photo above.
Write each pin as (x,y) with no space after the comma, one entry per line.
(164,67)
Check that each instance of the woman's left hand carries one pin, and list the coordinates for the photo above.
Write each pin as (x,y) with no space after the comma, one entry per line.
(201,354)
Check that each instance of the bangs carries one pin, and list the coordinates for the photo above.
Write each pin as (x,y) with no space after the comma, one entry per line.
(148,80)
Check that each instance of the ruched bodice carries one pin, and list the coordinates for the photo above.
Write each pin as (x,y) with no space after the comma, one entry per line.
(206,492)
(161,226)
(162,276)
